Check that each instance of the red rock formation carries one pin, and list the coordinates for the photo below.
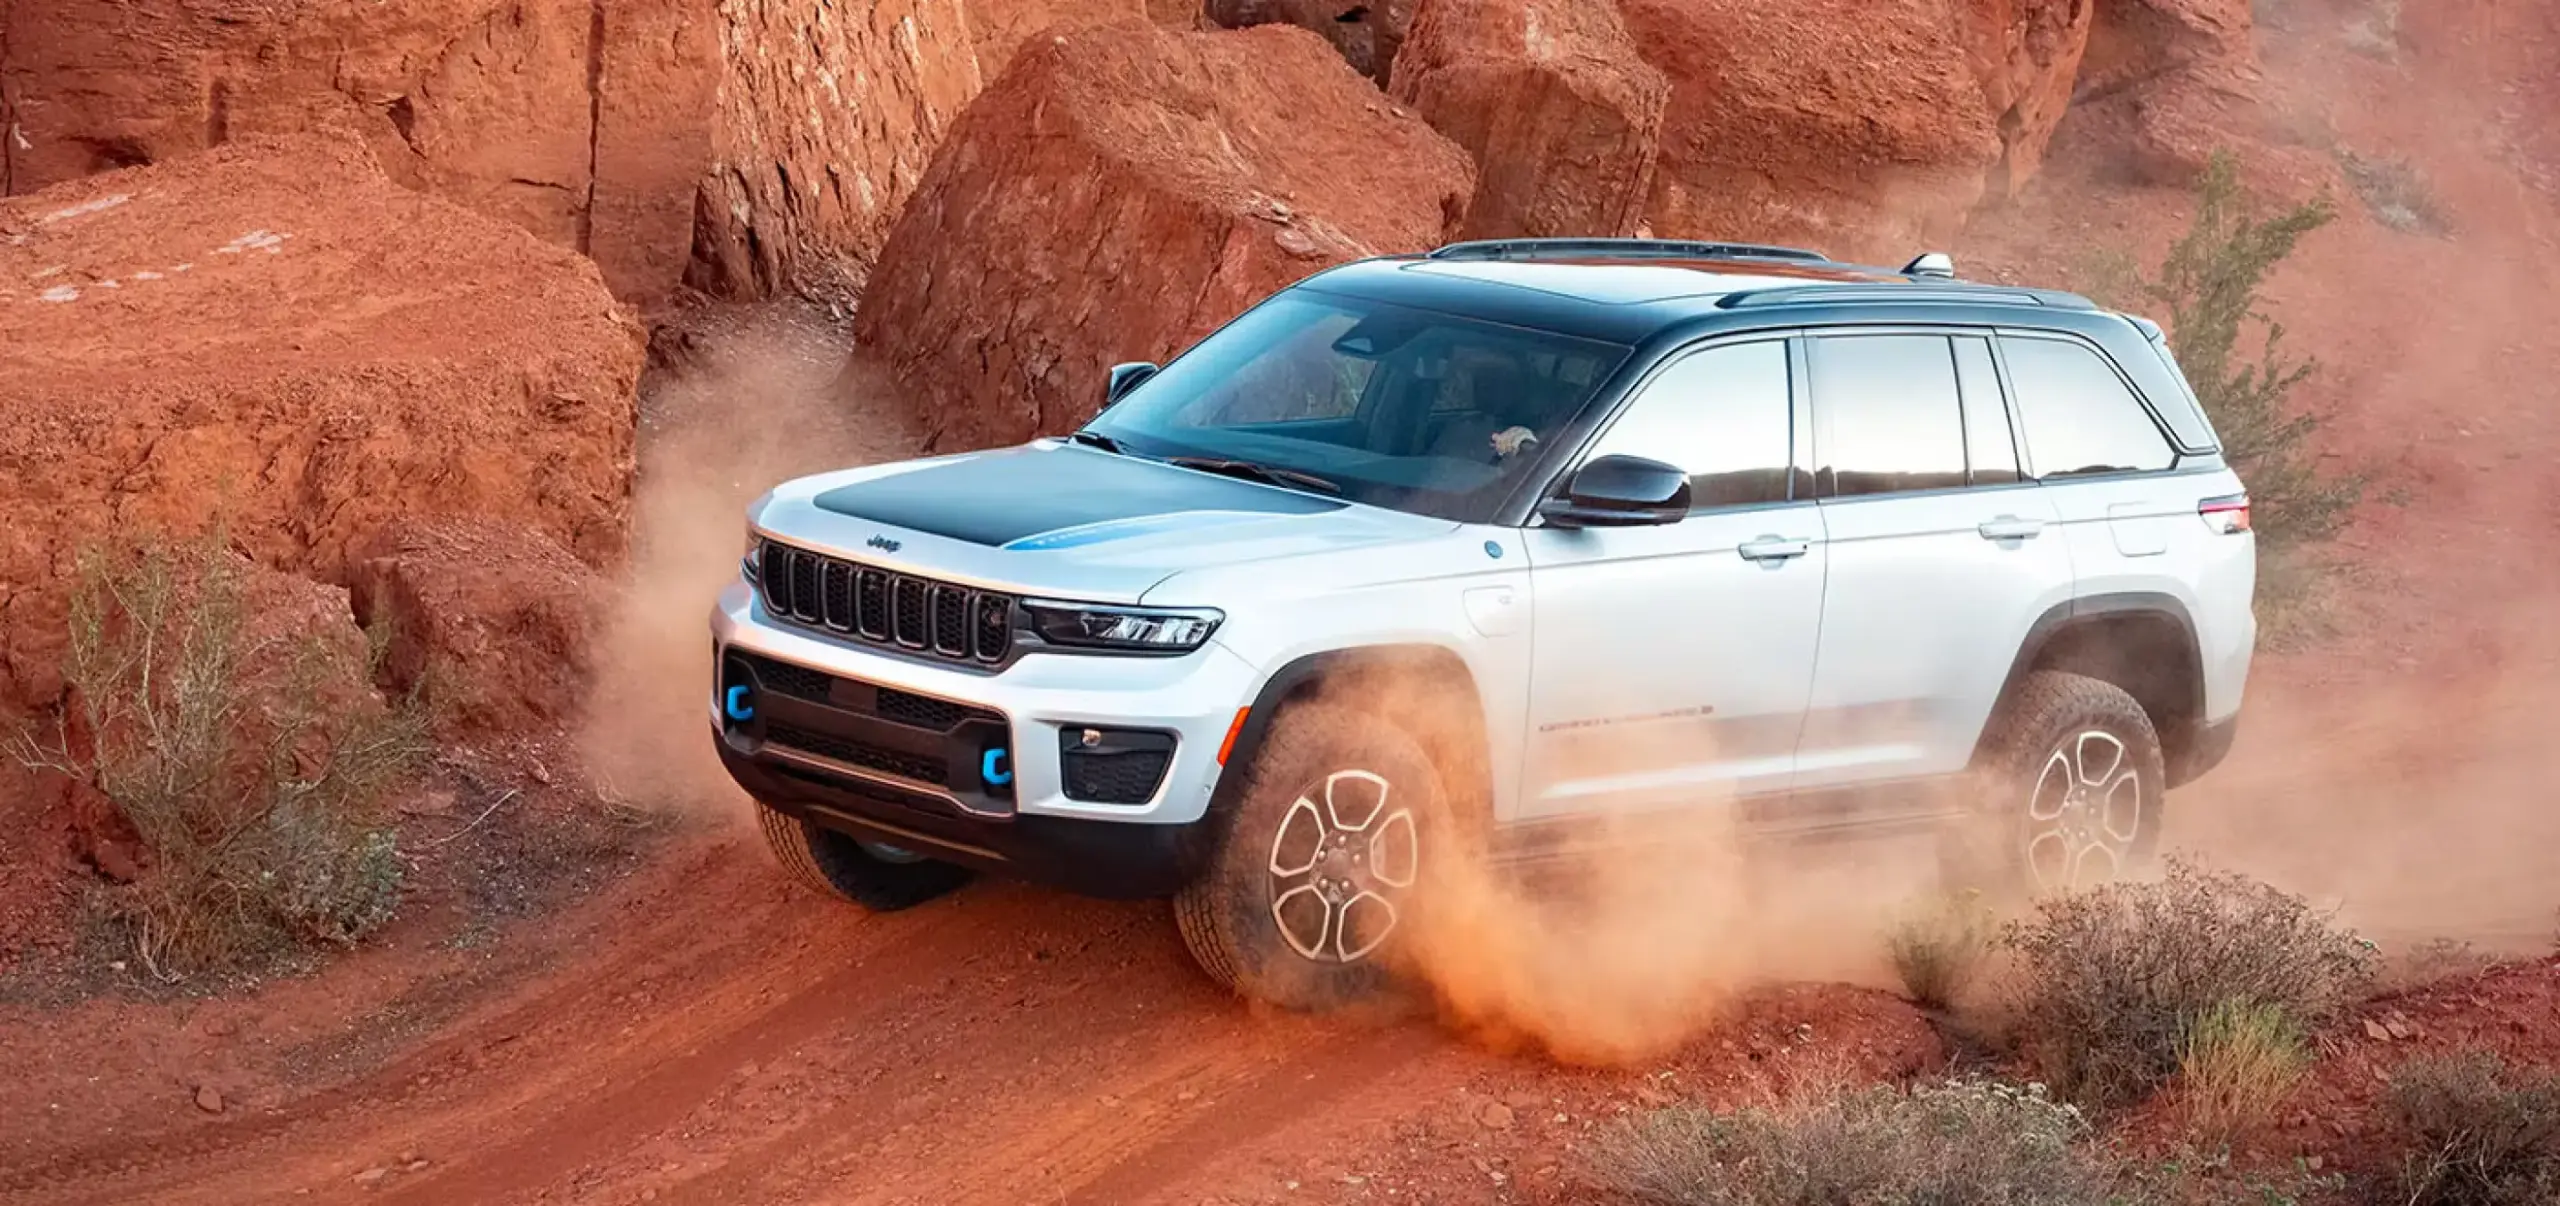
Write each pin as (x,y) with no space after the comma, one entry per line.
(1367,32)
(275,334)
(2026,55)
(1857,128)
(2166,83)
(493,622)
(998,28)
(1117,195)
(1551,99)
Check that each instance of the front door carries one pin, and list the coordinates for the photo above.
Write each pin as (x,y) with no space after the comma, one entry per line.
(1671,664)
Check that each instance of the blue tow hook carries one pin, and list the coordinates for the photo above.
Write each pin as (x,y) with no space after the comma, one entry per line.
(992,769)
(740,707)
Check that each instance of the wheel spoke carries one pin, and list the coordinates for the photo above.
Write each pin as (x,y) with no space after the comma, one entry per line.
(1334,794)
(1373,931)
(1305,822)
(1294,909)
(1395,852)
(2114,750)
(2047,806)
(2122,800)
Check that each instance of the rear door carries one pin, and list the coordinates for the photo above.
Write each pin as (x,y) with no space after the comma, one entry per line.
(1943,555)
(2131,522)
(1671,664)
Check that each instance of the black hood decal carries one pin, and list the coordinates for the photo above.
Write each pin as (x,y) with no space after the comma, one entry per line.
(1000,498)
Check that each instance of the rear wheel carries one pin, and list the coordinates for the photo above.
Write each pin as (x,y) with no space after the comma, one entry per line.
(2070,793)
(881,878)
(1313,881)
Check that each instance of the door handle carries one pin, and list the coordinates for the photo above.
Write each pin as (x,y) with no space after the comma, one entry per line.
(2010,527)
(1773,548)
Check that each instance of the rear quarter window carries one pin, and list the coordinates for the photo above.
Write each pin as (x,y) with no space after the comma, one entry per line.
(2079,417)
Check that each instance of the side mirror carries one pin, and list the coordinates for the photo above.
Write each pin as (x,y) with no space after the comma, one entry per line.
(1620,492)
(1126,377)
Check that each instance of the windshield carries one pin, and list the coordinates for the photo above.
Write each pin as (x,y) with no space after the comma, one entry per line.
(1397,407)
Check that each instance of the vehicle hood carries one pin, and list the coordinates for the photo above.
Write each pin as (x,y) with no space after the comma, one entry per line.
(1051,518)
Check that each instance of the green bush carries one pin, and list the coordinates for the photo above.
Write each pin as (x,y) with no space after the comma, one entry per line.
(2210,286)
(2238,1063)
(1967,1143)
(2113,982)
(1938,948)
(253,767)
(2485,1134)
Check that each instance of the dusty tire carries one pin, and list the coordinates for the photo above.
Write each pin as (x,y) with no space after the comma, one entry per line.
(2067,794)
(1332,824)
(832,863)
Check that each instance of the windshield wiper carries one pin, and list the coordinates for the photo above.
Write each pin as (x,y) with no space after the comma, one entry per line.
(1096,439)
(1270,474)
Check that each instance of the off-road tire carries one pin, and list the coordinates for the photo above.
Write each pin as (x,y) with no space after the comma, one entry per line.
(1990,849)
(1226,914)
(825,861)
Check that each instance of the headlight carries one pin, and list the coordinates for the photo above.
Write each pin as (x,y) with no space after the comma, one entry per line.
(1129,629)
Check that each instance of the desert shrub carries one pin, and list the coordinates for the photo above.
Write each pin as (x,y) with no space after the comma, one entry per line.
(2239,1061)
(2395,192)
(2113,982)
(2210,286)
(251,764)
(1939,947)
(1967,1143)
(2485,1134)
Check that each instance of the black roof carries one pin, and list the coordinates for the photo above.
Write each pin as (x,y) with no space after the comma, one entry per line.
(1628,291)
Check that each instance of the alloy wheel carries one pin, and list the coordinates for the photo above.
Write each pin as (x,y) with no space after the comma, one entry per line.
(2086,813)
(1341,862)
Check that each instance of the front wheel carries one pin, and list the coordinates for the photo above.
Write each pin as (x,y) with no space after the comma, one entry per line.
(2070,791)
(879,878)
(1313,882)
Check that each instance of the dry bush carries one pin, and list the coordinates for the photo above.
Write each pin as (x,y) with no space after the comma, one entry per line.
(2485,1134)
(1966,1143)
(1939,948)
(2396,192)
(252,766)
(2239,1062)
(2112,982)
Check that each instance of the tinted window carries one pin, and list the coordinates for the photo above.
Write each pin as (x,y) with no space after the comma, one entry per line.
(1889,416)
(2079,417)
(1990,455)
(1724,415)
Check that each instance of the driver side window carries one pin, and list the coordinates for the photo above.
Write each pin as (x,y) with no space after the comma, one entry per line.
(1726,415)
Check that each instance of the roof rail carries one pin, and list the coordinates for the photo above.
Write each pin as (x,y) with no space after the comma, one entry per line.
(1792,294)
(1532,249)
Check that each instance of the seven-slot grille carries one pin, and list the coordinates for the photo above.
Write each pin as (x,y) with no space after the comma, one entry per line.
(885,607)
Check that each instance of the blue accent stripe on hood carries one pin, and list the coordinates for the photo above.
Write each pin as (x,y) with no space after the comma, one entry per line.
(1003,499)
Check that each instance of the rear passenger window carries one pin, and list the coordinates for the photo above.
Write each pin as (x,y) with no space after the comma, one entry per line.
(2079,417)
(1991,457)
(1725,415)
(1887,410)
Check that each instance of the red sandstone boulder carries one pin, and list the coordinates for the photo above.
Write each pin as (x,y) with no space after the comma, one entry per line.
(492,624)
(275,334)
(1118,194)
(1369,33)
(828,117)
(998,28)
(1856,128)
(2026,56)
(1551,99)
(2166,83)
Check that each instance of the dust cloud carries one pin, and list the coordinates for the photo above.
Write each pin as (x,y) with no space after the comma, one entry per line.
(735,402)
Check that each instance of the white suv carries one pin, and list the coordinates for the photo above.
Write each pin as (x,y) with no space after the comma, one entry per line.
(1482,547)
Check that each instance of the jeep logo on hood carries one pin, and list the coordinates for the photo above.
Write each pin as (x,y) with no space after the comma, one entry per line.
(883,543)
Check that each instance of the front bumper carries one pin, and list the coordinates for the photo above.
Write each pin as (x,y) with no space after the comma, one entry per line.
(1009,816)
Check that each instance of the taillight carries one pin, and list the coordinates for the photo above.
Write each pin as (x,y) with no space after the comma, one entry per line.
(2228,515)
